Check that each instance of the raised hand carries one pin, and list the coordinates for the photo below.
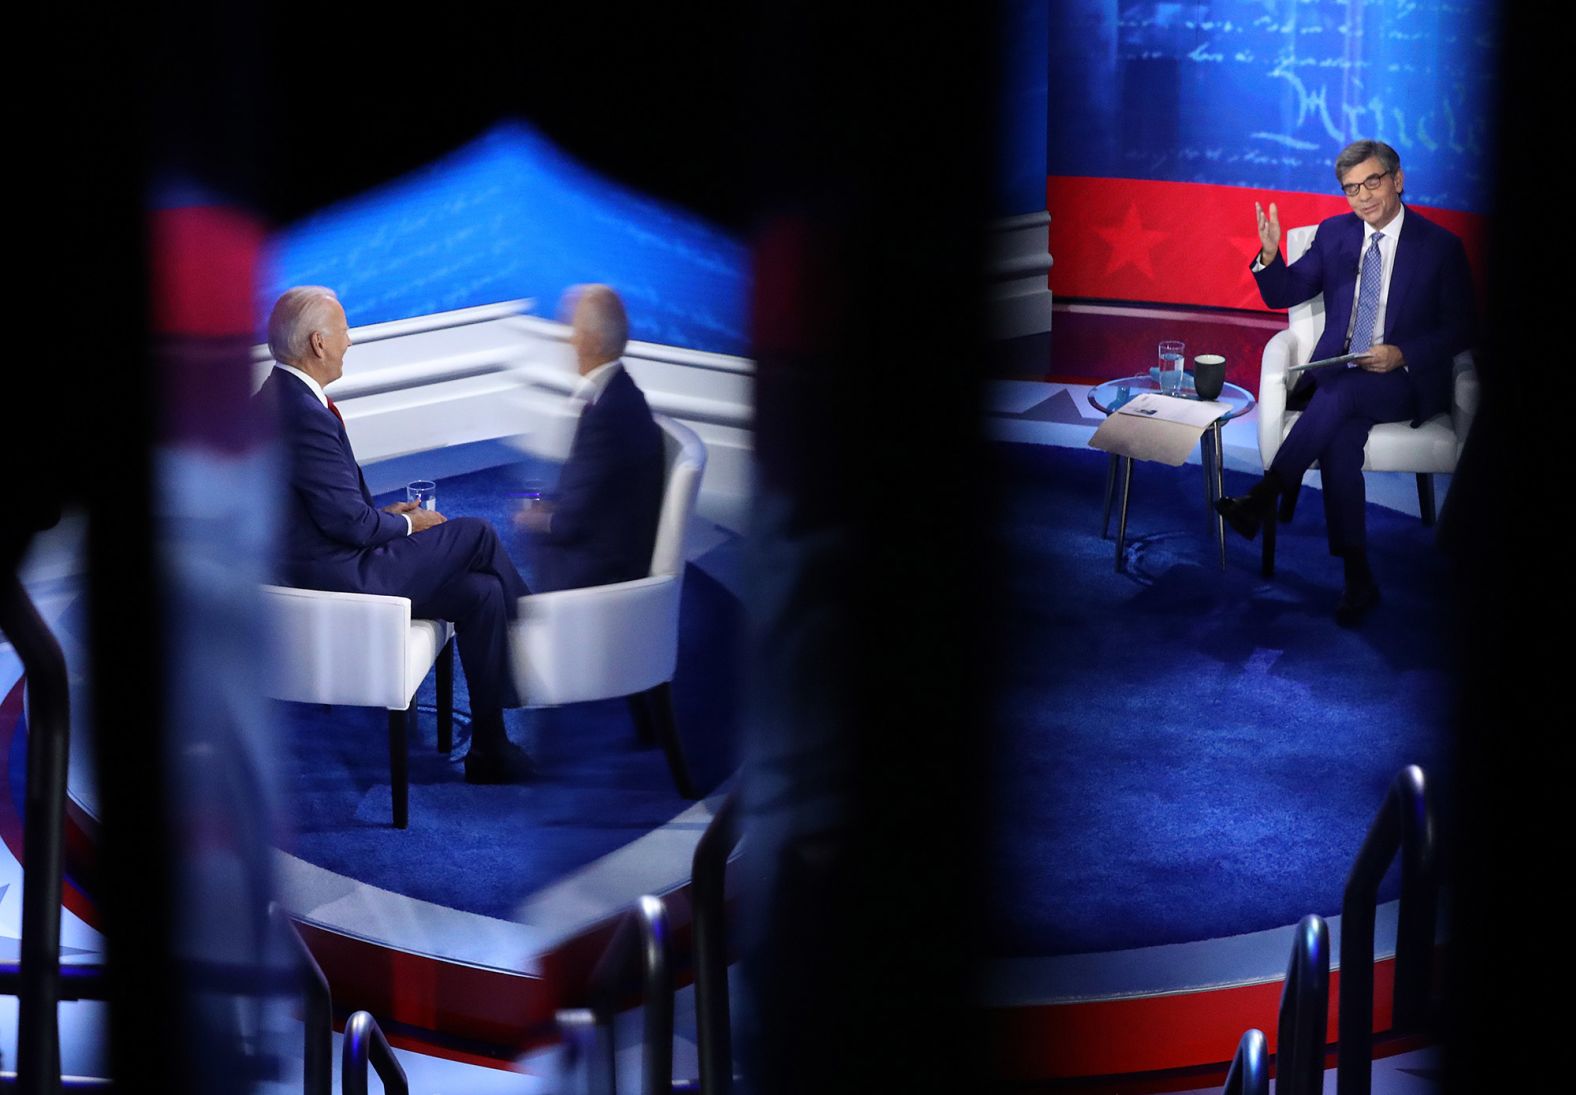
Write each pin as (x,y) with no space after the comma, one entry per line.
(1269,233)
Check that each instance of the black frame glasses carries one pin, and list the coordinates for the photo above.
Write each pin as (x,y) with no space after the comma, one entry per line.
(1371,182)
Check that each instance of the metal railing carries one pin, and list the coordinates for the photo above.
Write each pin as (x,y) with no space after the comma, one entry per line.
(1304,1011)
(1250,1070)
(641,939)
(317,1010)
(708,893)
(1405,822)
(364,1045)
(38,987)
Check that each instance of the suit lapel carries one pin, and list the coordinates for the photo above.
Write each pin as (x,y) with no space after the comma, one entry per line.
(1408,258)
(312,405)
(1342,293)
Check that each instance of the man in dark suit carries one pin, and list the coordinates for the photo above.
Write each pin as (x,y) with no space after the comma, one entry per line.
(1397,290)
(601,524)
(334,539)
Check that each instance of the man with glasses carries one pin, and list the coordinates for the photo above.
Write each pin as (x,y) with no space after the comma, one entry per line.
(1397,291)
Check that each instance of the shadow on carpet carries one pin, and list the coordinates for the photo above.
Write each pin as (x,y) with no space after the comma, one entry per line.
(1188,753)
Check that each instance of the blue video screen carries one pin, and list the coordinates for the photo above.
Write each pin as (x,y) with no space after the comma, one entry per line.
(1265,93)
(510,215)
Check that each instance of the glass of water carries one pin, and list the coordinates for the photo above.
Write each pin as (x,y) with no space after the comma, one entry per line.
(1172,354)
(424,492)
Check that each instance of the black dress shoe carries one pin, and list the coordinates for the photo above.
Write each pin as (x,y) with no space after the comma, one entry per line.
(1355,603)
(1245,513)
(507,763)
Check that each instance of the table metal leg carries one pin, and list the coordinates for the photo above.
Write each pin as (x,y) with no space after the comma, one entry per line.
(1220,488)
(1121,524)
(1110,488)
(1206,453)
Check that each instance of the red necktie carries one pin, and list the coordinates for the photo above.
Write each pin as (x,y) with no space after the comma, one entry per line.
(335,410)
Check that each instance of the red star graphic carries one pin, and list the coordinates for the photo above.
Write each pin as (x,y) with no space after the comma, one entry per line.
(1131,243)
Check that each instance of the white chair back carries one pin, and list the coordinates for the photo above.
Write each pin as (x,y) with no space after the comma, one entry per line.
(1306,319)
(684,459)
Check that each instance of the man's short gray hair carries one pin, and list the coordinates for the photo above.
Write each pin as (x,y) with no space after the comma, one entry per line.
(296,316)
(1358,151)
(605,319)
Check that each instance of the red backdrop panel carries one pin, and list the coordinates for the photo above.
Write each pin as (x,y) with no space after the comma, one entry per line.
(1183,243)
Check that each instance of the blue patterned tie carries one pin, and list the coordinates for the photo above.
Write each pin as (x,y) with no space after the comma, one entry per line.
(1368,298)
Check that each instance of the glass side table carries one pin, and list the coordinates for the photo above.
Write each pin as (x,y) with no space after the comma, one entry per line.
(1108,397)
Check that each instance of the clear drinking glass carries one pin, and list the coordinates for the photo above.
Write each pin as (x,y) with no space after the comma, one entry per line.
(422,491)
(1172,354)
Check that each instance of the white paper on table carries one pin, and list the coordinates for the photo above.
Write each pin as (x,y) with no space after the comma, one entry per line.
(1167,408)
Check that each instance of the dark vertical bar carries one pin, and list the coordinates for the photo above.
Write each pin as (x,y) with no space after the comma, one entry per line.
(1267,549)
(868,549)
(317,1016)
(708,891)
(1121,522)
(446,697)
(657,982)
(399,774)
(48,750)
(1110,489)
(1304,1011)
(1425,497)
(659,702)
(1404,817)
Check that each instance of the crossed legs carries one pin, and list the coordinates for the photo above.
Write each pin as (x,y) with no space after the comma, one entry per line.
(1333,430)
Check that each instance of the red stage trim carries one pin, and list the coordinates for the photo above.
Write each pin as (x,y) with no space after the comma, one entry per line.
(1185,243)
(1141,1034)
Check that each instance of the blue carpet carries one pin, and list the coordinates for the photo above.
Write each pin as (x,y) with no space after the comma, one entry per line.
(483,849)
(1189,753)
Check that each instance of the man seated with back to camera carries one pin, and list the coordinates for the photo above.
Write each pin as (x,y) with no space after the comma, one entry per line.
(334,539)
(600,525)
(1397,289)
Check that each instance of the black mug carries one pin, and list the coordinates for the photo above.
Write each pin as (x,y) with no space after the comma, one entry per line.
(1209,375)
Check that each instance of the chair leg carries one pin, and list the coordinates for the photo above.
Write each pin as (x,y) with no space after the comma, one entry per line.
(640,713)
(658,703)
(446,697)
(1425,497)
(1110,490)
(1267,549)
(1288,502)
(399,775)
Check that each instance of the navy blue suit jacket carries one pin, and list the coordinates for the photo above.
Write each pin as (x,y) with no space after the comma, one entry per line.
(1428,315)
(330,521)
(609,495)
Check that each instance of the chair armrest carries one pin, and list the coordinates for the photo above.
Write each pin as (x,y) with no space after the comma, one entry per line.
(1275,380)
(337,648)
(1464,406)
(596,643)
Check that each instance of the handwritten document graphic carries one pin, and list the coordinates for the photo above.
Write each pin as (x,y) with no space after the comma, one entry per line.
(1264,93)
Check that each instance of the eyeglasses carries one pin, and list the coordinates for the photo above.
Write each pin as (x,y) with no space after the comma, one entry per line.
(1371,182)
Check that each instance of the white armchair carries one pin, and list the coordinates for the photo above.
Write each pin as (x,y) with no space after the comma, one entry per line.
(602,642)
(361,650)
(1430,449)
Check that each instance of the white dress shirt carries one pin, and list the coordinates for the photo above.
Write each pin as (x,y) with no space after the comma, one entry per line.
(1387,246)
(590,387)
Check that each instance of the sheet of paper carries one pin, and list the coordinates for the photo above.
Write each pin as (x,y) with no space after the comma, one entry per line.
(1166,408)
(1147,438)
